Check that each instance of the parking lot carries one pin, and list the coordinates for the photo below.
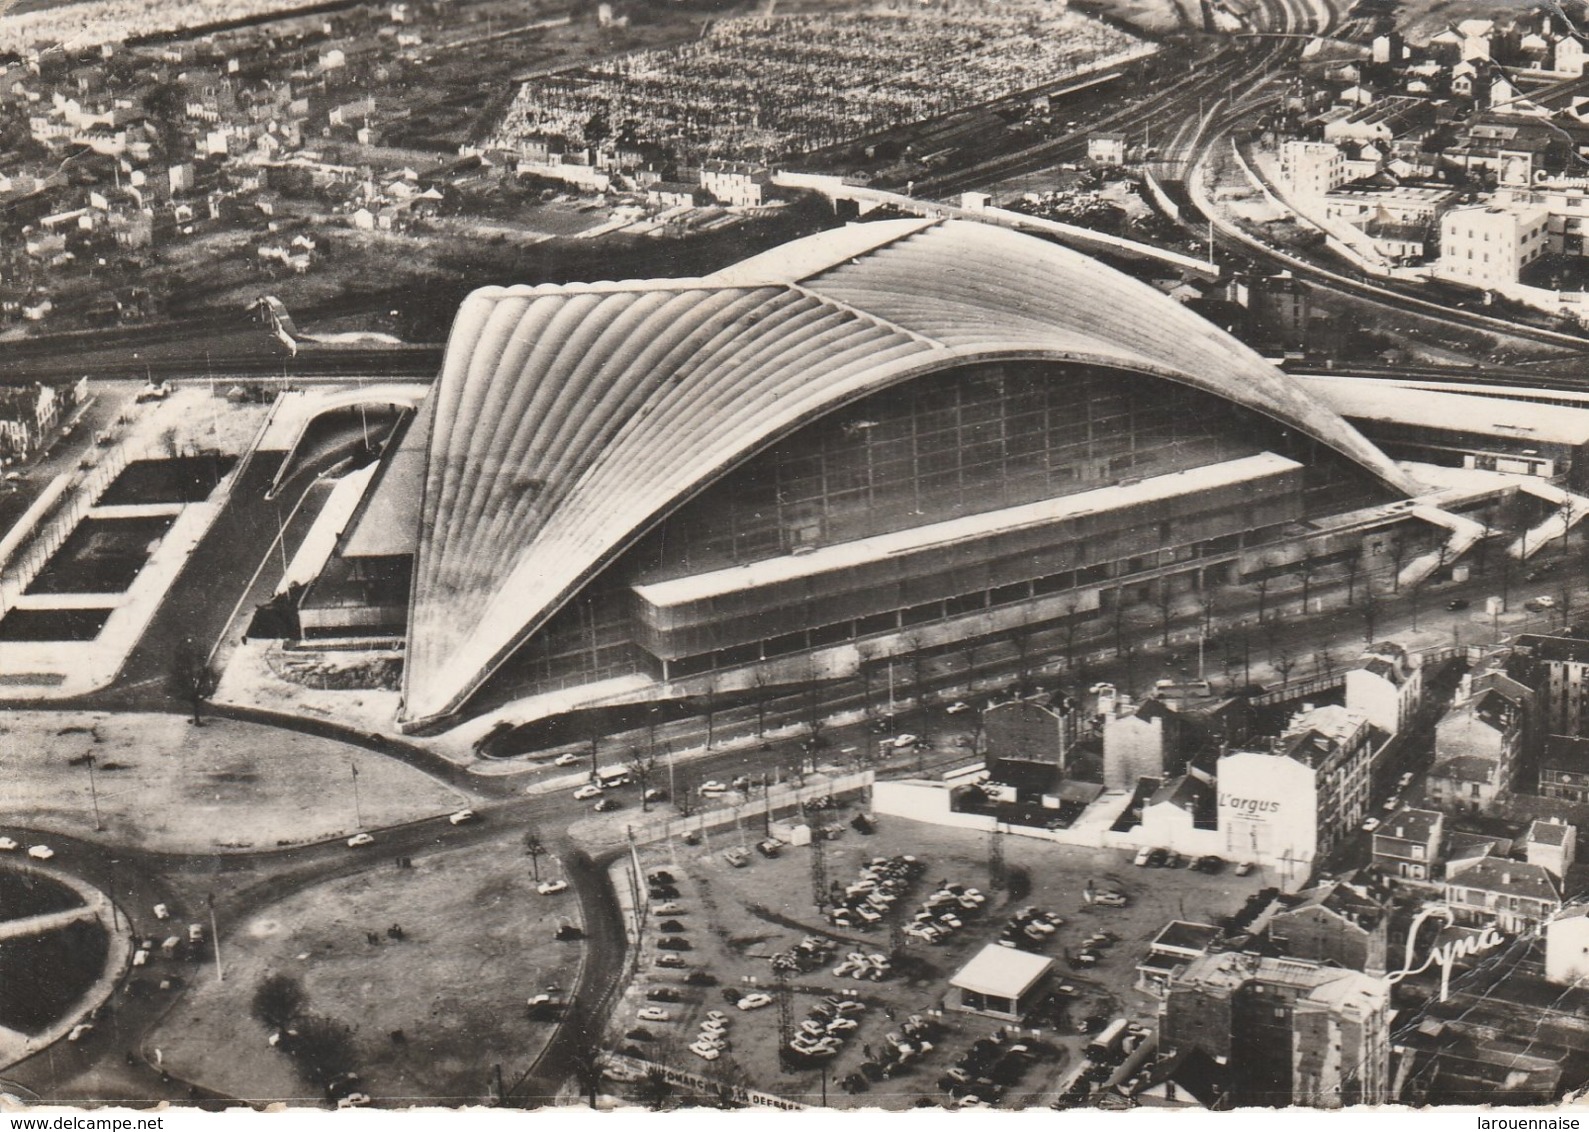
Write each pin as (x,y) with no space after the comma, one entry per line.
(724,924)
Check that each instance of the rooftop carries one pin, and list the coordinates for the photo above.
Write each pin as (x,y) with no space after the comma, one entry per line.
(1547,833)
(1393,403)
(1572,650)
(1186,935)
(1507,878)
(1002,972)
(1467,768)
(1410,825)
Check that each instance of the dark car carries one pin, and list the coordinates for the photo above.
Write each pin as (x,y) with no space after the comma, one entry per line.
(607,805)
(664,994)
(664,892)
(673,943)
(1158,858)
(661,876)
(694,978)
(1209,864)
(670,926)
(568,932)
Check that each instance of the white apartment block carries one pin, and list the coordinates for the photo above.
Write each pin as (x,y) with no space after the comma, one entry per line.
(1312,169)
(1489,245)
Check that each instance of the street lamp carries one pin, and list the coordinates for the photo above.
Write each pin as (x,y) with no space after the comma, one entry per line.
(93,793)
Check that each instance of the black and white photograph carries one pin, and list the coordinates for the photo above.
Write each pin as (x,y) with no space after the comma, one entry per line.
(937,557)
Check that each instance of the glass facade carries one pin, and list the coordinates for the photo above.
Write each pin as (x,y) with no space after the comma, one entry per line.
(966,441)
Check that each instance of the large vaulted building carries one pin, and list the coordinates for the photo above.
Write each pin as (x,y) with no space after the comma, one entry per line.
(906,430)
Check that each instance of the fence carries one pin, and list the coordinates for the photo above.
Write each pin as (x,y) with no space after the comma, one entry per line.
(777,798)
(705,1084)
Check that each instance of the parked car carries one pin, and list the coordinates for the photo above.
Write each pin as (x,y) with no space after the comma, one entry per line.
(1244,868)
(8,844)
(589,790)
(1457,603)
(1111,899)
(713,787)
(673,943)
(736,857)
(360,839)
(654,1014)
(673,961)
(1539,604)
(568,758)
(904,742)
(1209,863)
(1158,858)
(1405,780)
(607,805)
(1370,825)
(1142,857)
(656,795)
(754,1001)
(702,1050)
(551,887)
(161,912)
(462,817)
(40,852)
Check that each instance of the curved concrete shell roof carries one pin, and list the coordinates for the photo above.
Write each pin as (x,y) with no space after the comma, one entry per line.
(569,419)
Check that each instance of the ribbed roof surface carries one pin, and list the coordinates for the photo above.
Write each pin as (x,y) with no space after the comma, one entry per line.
(568,419)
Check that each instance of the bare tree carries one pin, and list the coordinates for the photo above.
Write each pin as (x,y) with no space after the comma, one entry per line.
(1324,662)
(684,799)
(192,678)
(1071,607)
(1354,567)
(1306,569)
(655,1091)
(1398,555)
(813,704)
(1370,612)
(760,681)
(1206,602)
(1262,582)
(642,767)
(1284,659)
(709,706)
(534,849)
(915,653)
(1165,600)
(586,1061)
(593,736)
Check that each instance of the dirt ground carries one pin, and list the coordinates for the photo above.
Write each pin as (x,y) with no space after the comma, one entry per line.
(735,919)
(166,785)
(478,941)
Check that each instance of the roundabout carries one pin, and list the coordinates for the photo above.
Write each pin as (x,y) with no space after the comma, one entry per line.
(63,945)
